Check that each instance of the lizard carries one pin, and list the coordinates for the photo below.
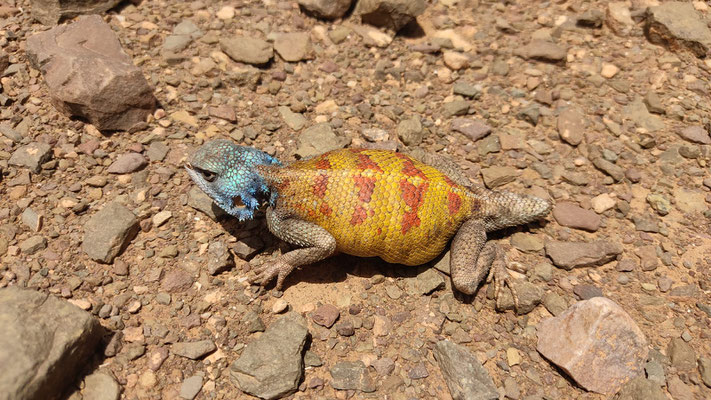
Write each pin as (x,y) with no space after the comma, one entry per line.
(403,208)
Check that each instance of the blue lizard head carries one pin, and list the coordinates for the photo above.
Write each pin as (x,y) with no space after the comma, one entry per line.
(225,172)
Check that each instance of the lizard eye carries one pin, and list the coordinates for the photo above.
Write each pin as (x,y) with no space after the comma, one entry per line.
(208,175)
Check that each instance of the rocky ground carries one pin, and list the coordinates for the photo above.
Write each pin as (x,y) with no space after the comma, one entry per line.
(602,107)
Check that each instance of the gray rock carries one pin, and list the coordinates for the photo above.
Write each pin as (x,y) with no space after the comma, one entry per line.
(595,342)
(429,281)
(571,215)
(615,171)
(176,43)
(695,134)
(351,375)
(679,390)
(679,26)
(467,89)
(157,151)
(705,370)
(554,303)
(219,258)
(108,232)
(272,366)
(7,131)
(681,354)
(101,386)
(454,108)
(466,378)
(641,389)
(247,50)
(529,296)
(51,12)
(319,139)
(90,76)
(193,350)
(31,156)
(294,120)
(127,163)
(31,219)
(498,176)
(45,343)
(410,131)
(33,244)
(472,128)
(4,61)
(293,47)
(542,50)
(389,14)
(571,125)
(191,387)
(200,201)
(326,9)
(637,112)
(569,255)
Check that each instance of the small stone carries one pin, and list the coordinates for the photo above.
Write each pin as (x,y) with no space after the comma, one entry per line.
(542,50)
(705,370)
(279,306)
(455,60)
(225,13)
(193,350)
(31,156)
(318,139)
(602,203)
(294,120)
(473,129)
(682,355)
(33,244)
(609,70)
(410,131)
(326,315)
(569,214)
(695,134)
(293,47)
(463,373)
(351,375)
(572,125)
(390,14)
(513,357)
(569,255)
(127,163)
(454,108)
(326,9)
(32,219)
(247,50)
(191,387)
(498,176)
(101,386)
(108,232)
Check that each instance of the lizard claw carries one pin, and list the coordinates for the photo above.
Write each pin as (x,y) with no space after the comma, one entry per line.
(267,271)
(501,277)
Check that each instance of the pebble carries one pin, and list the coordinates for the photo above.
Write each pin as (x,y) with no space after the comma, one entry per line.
(325,315)
(190,387)
(127,163)
(293,47)
(279,306)
(31,156)
(193,350)
(571,215)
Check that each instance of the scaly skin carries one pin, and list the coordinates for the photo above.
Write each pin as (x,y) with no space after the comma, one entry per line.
(367,203)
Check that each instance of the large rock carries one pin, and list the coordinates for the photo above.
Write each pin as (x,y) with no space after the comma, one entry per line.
(679,26)
(108,232)
(389,14)
(326,9)
(50,12)
(45,342)
(272,366)
(90,76)
(466,378)
(595,342)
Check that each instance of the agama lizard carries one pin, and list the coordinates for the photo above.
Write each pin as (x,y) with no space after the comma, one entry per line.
(366,203)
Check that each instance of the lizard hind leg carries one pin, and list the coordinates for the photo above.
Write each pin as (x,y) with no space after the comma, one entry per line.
(315,242)
(474,260)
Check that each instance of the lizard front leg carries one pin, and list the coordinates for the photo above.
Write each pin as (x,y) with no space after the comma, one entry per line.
(473,259)
(315,242)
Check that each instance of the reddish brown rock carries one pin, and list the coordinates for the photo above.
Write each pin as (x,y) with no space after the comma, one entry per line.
(571,126)
(569,255)
(595,342)
(326,315)
(571,215)
(90,76)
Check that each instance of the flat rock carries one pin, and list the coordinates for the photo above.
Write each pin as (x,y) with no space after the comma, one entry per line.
(498,176)
(127,163)
(247,50)
(640,388)
(571,125)
(31,156)
(695,134)
(410,131)
(294,120)
(108,232)
(319,139)
(193,350)
(271,366)
(637,112)
(619,18)
(191,387)
(389,14)
(51,12)
(326,315)
(595,342)
(293,47)
(681,354)
(466,378)
(90,76)
(471,128)
(569,255)
(351,375)
(571,215)
(45,344)
(326,9)
(677,25)
(542,50)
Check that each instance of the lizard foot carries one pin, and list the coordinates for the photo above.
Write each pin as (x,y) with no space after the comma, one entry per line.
(267,271)
(500,276)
